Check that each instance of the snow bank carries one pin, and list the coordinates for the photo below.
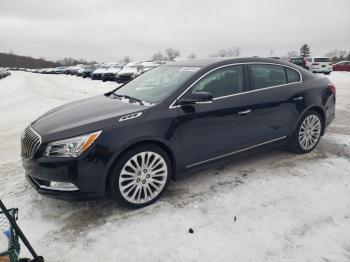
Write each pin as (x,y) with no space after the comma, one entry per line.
(275,206)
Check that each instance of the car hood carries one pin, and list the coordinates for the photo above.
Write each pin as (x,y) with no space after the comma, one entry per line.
(99,71)
(113,70)
(82,117)
(128,71)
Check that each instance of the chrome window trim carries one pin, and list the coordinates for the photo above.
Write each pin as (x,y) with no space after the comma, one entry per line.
(172,105)
(235,152)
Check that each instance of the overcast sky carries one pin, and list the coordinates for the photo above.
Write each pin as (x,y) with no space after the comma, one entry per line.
(106,30)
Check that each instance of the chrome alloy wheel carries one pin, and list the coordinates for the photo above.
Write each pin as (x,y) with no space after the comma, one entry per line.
(143,177)
(310,132)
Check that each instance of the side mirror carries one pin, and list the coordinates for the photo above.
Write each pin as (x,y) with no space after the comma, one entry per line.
(196,98)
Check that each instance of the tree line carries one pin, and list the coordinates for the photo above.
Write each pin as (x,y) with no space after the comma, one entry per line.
(336,55)
(169,54)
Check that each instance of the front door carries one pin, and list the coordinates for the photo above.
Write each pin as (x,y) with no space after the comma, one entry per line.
(210,131)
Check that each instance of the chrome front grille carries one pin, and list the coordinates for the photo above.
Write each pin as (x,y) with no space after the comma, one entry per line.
(30,143)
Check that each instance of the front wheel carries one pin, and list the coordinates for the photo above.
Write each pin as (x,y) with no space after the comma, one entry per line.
(308,133)
(140,176)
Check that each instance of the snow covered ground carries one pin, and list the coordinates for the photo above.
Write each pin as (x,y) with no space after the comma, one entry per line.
(269,206)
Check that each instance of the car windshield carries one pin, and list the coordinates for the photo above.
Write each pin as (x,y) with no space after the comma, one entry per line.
(156,84)
(322,59)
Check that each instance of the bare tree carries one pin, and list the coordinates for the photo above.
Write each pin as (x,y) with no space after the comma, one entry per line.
(158,56)
(337,55)
(192,56)
(171,54)
(126,59)
(229,52)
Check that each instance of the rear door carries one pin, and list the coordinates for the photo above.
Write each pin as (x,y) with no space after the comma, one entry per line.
(275,101)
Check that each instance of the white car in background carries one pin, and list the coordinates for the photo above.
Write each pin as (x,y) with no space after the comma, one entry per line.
(4,72)
(111,72)
(98,73)
(132,70)
(319,65)
(129,71)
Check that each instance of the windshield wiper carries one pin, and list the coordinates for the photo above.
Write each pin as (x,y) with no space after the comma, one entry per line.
(130,98)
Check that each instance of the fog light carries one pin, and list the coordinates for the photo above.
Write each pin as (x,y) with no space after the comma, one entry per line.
(63,186)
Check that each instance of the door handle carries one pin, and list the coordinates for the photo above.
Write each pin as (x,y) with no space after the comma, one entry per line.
(244,112)
(298,98)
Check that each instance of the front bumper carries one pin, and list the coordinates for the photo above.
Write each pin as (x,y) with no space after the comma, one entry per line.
(109,77)
(96,76)
(321,69)
(86,176)
(63,195)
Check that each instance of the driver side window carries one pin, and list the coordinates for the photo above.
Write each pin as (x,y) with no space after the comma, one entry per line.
(222,82)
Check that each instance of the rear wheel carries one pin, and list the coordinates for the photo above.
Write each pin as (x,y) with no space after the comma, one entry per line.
(140,176)
(308,133)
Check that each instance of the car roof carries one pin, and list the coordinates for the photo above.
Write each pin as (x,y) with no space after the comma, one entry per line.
(223,61)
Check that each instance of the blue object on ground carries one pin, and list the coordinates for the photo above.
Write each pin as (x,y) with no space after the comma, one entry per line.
(7,233)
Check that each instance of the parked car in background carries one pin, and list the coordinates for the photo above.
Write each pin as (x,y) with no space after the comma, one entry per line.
(132,70)
(80,71)
(183,115)
(111,72)
(59,70)
(300,61)
(319,65)
(68,69)
(145,66)
(342,66)
(4,72)
(74,69)
(98,72)
(129,72)
(88,69)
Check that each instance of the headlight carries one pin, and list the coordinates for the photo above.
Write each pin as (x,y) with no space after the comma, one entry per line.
(71,147)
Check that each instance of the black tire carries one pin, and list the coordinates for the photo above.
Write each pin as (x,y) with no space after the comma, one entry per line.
(113,181)
(327,73)
(103,80)
(295,144)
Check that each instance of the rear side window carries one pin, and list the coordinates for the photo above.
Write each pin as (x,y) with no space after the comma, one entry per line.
(268,75)
(292,75)
(222,82)
(322,59)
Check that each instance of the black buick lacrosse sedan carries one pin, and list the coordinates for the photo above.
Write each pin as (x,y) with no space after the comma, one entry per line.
(131,141)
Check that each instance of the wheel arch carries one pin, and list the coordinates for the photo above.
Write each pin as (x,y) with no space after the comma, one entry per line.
(319,110)
(158,143)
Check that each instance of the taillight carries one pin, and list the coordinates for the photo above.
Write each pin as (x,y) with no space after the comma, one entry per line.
(332,88)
